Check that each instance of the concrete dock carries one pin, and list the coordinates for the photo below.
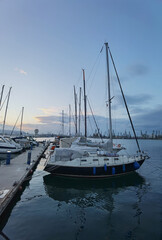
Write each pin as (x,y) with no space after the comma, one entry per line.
(12,176)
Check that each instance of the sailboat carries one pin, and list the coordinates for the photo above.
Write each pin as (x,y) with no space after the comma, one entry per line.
(100,164)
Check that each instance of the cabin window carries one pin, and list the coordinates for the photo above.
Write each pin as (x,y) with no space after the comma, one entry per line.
(116,158)
(95,160)
(106,159)
(83,160)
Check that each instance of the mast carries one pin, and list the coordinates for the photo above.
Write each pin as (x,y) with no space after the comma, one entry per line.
(1,95)
(4,121)
(109,95)
(22,114)
(62,122)
(75,101)
(85,104)
(69,120)
(79,109)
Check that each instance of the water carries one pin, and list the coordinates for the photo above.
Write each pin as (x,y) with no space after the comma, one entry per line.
(127,207)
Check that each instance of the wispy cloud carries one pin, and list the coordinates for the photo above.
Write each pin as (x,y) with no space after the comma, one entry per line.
(51,119)
(56,111)
(138,99)
(138,70)
(21,71)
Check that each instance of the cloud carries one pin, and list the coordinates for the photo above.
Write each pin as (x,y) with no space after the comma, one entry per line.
(150,120)
(138,70)
(138,99)
(145,120)
(56,111)
(135,102)
(21,71)
(51,119)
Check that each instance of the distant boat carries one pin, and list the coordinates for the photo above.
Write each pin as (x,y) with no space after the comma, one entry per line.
(25,142)
(80,162)
(8,145)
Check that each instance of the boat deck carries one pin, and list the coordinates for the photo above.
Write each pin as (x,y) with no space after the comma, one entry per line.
(96,161)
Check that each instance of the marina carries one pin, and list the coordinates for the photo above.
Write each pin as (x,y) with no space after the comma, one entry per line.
(80,120)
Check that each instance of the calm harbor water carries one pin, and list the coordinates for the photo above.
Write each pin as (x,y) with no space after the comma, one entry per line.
(127,207)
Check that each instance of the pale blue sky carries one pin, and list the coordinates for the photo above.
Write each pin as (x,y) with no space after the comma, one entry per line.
(45,44)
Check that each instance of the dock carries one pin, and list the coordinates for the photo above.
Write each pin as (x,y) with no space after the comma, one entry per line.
(13,175)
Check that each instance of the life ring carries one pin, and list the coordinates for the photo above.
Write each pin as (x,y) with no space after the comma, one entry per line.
(119,145)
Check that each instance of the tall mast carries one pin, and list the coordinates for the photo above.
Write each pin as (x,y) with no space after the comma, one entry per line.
(75,101)
(109,96)
(79,109)
(69,120)
(1,95)
(85,104)
(4,121)
(63,122)
(22,114)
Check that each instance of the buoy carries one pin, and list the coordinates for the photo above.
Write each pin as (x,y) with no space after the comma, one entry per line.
(136,165)
(94,170)
(20,188)
(105,168)
(123,168)
(113,170)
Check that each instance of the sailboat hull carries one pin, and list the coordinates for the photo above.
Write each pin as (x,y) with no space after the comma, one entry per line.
(93,172)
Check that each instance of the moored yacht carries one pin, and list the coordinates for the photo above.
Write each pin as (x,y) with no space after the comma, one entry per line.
(104,162)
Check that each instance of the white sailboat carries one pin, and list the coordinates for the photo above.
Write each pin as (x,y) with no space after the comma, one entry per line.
(80,162)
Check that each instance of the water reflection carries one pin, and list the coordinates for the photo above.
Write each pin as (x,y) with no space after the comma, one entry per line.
(87,192)
(108,196)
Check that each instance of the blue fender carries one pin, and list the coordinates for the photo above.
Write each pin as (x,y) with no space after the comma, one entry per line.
(123,168)
(94,170)
(113,170)
(136,165)
(105,168)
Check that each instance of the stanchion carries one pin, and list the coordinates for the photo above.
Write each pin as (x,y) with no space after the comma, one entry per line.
(8,157)
(29,158)
(31,146)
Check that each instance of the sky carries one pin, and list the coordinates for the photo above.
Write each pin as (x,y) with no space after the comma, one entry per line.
(45,44)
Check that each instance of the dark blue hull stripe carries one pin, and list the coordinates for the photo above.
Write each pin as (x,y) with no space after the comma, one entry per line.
(91,171)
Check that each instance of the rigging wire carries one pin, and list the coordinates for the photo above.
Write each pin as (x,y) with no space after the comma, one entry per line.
(98,130)
(124,100)
(15,124)
(97,58)
(95,72)
(4,101)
